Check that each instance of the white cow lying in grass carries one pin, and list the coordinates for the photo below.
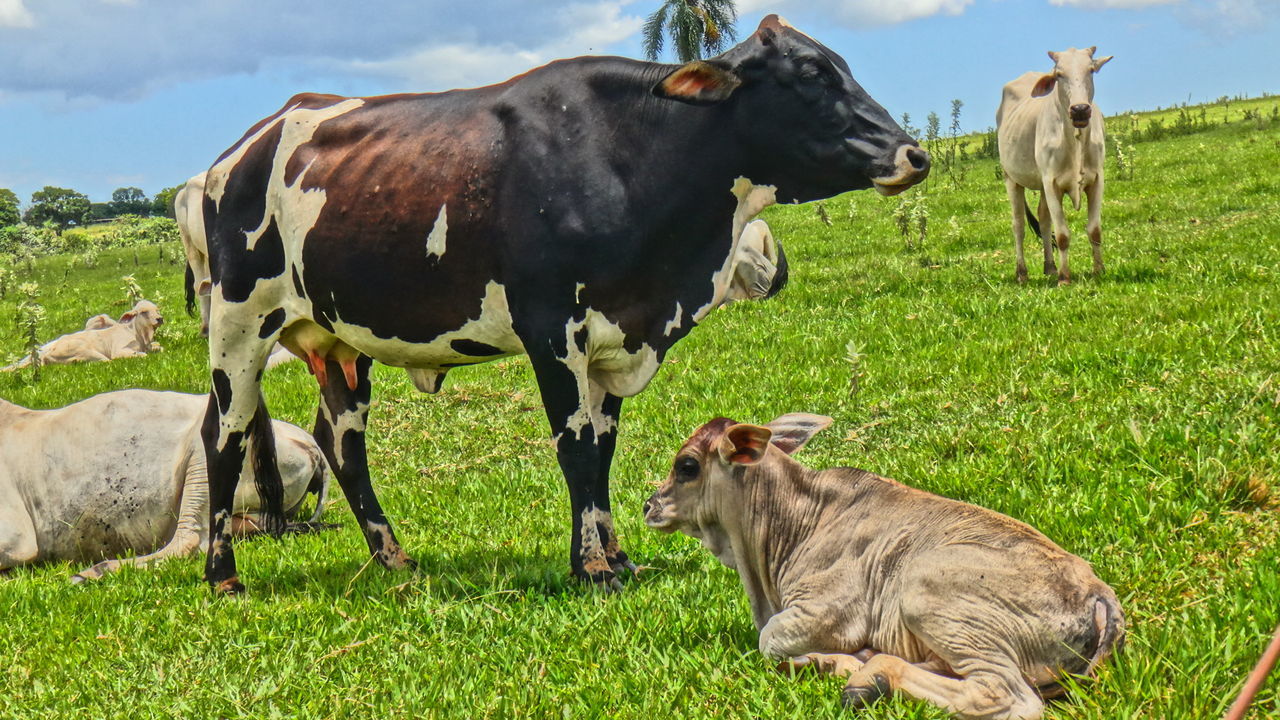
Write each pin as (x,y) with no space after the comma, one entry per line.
(104,339)
(124,472)
(891,587)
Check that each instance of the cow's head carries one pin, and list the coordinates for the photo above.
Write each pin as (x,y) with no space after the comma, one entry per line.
(144,312)
(807,125)
(1072,77)
(712,472)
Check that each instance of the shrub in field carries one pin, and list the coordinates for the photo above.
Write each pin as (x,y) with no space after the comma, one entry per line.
(129,230)
(29,317)
(32,240)
(131,289)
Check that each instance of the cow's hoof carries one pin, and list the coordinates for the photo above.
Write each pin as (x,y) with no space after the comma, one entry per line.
(79,579)
(620,564)
(601,580)
(860,696)
(1021,278)
(1063,282)
(230,587)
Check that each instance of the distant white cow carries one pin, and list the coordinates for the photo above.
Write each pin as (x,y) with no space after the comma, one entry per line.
(124,472)
(131,337)
(1051,139)
(760,268)
(188,210)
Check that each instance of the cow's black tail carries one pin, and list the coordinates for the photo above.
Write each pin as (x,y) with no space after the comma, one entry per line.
(266,473)
(191,291)
(1031,220)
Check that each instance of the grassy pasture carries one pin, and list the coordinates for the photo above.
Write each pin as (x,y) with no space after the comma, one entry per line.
(1134,418)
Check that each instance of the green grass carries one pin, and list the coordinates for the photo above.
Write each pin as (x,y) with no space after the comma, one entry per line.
(1133,418)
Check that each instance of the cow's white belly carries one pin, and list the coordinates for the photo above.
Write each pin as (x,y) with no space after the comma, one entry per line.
(492,328)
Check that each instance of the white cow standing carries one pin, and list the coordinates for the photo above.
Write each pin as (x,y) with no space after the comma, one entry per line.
(1051,139)
(124,472)
(104,339)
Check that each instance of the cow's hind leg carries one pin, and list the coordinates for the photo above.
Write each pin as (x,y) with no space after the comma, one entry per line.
(339,431)
(991,692)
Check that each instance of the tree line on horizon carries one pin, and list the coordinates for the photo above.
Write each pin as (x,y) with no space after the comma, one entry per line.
(63,208)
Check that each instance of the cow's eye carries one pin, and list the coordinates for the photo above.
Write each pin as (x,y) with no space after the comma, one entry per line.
(687,469)
(810,72)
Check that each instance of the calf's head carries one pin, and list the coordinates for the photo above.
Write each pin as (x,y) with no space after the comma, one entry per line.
(805,123)
(1072,78)
(713,474)
(144,312)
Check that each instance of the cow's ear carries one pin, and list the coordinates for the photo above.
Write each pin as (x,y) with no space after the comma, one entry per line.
(127,316)
(1097,64)
(1044,85)
(793,430)
(698,83)
(744,444)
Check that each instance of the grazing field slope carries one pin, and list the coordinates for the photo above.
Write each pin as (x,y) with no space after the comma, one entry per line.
(1134,418)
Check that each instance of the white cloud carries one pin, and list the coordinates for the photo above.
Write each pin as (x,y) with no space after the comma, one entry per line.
(859,14)
(13,14)
(95,50)
(584,28)
(1112,4)
(1231,17)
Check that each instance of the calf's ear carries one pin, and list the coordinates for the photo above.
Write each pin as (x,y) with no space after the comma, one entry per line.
(793,430)
(744,444)
(127,316)
(1044,85)
(698,83)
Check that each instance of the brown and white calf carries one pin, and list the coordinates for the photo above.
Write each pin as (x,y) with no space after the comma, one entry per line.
(1051,139)
(892,587)
(131,337)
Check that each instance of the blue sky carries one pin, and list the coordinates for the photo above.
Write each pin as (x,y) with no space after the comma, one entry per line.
(99,94)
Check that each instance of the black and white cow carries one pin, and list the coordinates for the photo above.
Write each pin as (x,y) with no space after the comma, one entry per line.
(585,213)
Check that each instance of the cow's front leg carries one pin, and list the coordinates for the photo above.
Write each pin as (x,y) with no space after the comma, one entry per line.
(1046,235)
(1094,227)
(1061,236)
(610,411)
(339,431)
(584,437)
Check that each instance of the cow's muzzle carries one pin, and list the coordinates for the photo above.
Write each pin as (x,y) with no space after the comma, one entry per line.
(655,515)
(1080,115)
(911,165)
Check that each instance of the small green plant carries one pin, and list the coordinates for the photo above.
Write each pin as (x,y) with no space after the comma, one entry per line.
(6,276)
(823,216)
(131,289)
(30,316)
(853,354)
(912,218)
(89,258)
